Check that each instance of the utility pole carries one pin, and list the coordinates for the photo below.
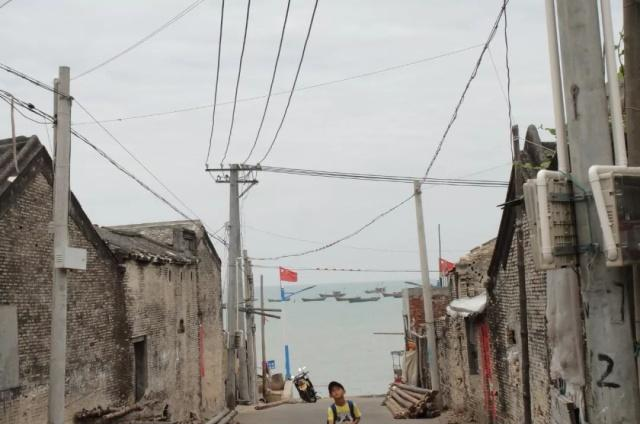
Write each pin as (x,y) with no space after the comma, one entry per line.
(57,360)
(440,282)
(251,328)
(263,319)
(235,323)
(232,300)
(243,374)
(64,257)
(432,357)
(612,392)
(632,111)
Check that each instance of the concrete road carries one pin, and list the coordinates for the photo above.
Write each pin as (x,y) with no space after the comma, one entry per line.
(372,413)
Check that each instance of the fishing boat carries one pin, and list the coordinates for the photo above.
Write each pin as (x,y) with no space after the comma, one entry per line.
(392,294)
(314,299)
(336,294)
(379,290)
(397,295)
(364,299)
(347,299)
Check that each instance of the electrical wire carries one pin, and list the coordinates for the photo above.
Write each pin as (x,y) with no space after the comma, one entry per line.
(435,156)
(235,97)
(130,153)
(33,109)
(508,68)
(279,93)
(333,269)
(162,27)
(295,81)
(30,79)
(215,92)
(5,3)
(385,178)
(273,78)
(474,73)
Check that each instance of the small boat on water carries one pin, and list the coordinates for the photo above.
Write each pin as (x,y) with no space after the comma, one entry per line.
(347,299)
(397,295)
(392,294)
(376,290)
(336,294)
(364,299)
(314,299)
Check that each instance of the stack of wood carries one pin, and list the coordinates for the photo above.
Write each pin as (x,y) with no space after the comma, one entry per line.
(406,401)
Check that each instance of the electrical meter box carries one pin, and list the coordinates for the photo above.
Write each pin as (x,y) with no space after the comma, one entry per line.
(622,200)
(559,216)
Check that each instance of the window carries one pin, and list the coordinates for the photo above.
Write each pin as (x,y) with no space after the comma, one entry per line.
(9,371)
(189,238)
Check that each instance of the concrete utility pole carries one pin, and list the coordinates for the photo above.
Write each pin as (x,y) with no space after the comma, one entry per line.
(232,299)
(432,357)
(263,320)
(243,374)
(612,392)
(62,106)
(632,110)
(251,328)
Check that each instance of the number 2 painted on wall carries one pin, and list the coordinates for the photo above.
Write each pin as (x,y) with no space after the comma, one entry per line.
(601,382)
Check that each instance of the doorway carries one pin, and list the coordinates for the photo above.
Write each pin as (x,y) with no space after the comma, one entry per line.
(140,366)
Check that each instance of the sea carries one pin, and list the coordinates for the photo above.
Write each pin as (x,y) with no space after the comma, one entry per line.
(336,340)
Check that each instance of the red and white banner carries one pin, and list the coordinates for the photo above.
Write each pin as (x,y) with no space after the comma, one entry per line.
(288,275)
(446,267)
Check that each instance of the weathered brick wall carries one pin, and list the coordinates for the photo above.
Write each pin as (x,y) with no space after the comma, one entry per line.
(98,371)
(504,319)
(162,295)
(159,296)
(210,307)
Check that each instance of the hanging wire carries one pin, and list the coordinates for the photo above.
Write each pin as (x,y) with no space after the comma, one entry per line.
(156,31)
(235,97)
(273,78)
(295,81)
(215,92)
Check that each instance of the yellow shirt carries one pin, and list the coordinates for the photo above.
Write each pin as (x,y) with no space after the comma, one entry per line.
(344,415)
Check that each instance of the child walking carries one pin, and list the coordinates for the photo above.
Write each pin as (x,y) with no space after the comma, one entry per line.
(342,410)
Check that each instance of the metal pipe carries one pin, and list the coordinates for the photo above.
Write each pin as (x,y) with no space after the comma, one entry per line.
(556,87)
(615,107)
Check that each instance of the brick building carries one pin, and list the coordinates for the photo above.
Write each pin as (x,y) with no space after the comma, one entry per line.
(504,309)
(98,369)
(173,295)
(463,343)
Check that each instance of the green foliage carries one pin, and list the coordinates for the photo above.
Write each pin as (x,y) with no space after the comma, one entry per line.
(551,131)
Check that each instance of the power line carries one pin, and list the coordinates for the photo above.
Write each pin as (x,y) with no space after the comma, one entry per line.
(5,3)
(492,33)
(295,81)
(130,153)
(273,78)
(30,79)
(348,236)
(384,178)
(235,97)
(33,109)
(332,269)
(215,92)
(279,93)
(435,156)
(506,61)
(171,21)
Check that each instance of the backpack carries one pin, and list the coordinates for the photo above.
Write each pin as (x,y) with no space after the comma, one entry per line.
(351,411)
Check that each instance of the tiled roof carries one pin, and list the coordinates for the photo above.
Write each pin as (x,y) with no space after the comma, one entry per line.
(27,148)
(133,245)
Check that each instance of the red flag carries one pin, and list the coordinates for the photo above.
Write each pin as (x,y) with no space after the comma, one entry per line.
(446,266)
(288,275)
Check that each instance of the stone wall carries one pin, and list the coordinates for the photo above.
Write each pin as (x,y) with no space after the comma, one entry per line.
(98,370)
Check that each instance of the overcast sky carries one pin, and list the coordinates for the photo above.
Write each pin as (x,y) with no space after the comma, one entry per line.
(388,123)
